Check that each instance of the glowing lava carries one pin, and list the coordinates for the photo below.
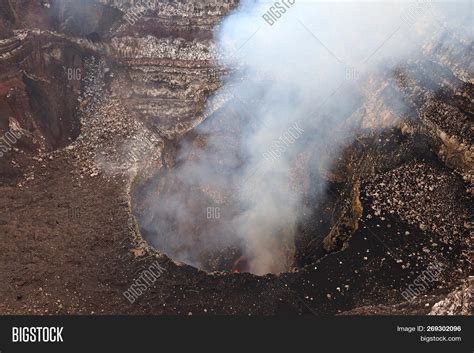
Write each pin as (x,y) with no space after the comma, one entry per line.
(241,265)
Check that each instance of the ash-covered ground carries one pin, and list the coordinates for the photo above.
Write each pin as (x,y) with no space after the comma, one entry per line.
(97,112)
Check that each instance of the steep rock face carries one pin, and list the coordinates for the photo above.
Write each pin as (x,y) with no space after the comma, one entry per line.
(37,93)
(160,69)
(185,19)
(436,117)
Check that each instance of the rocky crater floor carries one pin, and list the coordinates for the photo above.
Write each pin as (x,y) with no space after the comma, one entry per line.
(100,108)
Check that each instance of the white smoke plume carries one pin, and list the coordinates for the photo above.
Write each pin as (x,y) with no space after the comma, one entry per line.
(297,72)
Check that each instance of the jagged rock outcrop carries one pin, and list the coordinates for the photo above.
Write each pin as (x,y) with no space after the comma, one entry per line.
(459,302)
